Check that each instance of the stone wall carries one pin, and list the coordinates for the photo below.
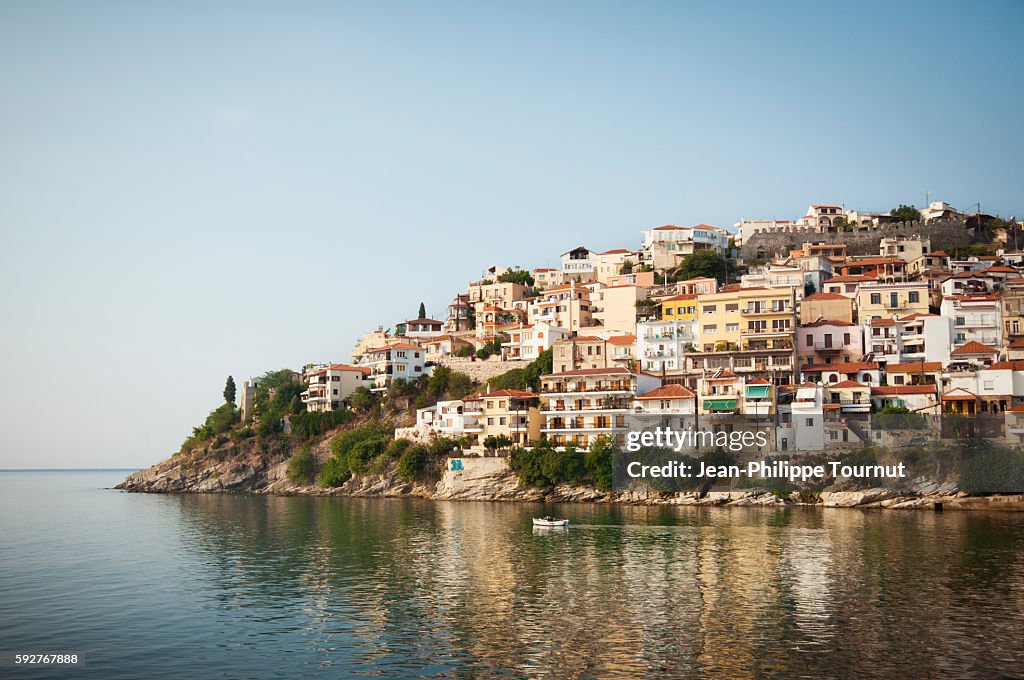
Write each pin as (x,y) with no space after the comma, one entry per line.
(944,234)
(478,370)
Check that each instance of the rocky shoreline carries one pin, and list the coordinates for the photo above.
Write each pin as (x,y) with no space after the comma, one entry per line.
(260,471)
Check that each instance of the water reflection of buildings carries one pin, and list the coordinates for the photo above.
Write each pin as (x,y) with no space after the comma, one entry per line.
(467,588)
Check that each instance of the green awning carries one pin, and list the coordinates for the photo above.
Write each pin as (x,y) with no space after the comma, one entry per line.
(757,391)
(720,404)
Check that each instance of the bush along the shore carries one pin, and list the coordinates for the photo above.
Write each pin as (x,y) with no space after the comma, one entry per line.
(302,465)
(543,465)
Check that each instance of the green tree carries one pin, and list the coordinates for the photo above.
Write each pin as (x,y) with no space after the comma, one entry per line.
(517,276)
(599,462)
(422,312)
(906,213)
(270,423)
(704,263)
(412,462)
(362,400)
(229,390)
(301,465)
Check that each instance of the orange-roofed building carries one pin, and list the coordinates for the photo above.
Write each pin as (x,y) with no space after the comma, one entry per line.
(329,388)
(834,306)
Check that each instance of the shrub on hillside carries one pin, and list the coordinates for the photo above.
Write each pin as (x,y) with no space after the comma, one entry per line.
(301,465)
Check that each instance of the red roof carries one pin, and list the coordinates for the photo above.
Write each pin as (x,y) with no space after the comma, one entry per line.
(1017,344)
(974,347)
(851,278)
(616,251)
(622,339)
(914,367)
(847,383)
(759,381)
(365,370)
(872,262)
(903,389)
(669,392)
(671,227)
(959,394)
(516,394)
(724,375)
(825,296)
(842,367)
(1016,365)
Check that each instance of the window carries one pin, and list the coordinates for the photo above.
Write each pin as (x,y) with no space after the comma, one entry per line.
(876,298)
(914,296)
(810,422)
(709,309)
(810,340)
(710,328)
(987,384)
(732,307)
(894,300)
(846,338)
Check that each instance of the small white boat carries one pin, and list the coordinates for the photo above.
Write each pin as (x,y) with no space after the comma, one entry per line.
(549,522)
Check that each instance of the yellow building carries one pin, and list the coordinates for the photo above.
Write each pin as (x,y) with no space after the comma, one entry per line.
(746,319)
(882,300)
(513,413)
(679,308)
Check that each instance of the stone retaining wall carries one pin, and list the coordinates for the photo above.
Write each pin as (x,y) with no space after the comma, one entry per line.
(943,234)
(478,370)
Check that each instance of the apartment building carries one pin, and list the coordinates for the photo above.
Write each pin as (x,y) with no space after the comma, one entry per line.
(882,300)
(330,387)
(1011,311)
(580,406)
(567,306)
(581,352)
(679,308)
(882,269)
(746,319)
(915,337)
(512,413)
(397,360)
(526,341)
(610,263)
(578,264)
(826,306)
(667,406)
(661,345)
(847,286)
(420,328)
(623,350)
(826,341)
(976,318)
(615,308)
(547,277)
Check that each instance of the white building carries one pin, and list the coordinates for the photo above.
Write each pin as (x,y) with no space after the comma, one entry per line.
(580,406)
(398,360)
(660,345)
(579,263)
(527,341)
(330,387)
(976,318)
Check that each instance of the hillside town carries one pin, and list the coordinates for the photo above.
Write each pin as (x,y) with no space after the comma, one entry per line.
(707,327)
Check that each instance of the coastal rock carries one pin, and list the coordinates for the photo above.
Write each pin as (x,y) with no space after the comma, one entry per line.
(849,499)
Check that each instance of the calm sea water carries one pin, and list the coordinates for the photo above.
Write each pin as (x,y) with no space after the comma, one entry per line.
(252,587)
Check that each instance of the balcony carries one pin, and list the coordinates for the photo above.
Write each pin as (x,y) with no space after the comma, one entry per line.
(763,311)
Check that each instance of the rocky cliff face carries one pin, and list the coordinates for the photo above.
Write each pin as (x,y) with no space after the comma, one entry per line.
(261,468)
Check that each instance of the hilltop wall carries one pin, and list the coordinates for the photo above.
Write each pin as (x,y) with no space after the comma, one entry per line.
(943,234)
(480,370)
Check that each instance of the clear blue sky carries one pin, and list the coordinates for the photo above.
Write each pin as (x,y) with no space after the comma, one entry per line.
(189,190)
